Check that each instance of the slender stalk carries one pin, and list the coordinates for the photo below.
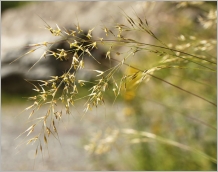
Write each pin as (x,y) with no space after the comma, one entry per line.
(214,104)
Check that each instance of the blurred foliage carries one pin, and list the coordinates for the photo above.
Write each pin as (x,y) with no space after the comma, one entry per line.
(5,5)
(167,111)
(7,98)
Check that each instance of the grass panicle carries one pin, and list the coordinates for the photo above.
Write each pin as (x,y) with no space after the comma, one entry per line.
(189,54)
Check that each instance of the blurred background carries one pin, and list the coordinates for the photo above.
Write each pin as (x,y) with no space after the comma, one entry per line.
(155,107)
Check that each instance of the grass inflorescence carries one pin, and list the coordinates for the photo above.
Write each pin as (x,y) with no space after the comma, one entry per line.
(65,89)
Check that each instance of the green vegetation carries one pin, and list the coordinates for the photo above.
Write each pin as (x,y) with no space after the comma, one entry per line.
(5,5)
(9,98)
(168,87)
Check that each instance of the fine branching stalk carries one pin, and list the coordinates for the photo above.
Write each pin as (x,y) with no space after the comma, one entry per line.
(65,89)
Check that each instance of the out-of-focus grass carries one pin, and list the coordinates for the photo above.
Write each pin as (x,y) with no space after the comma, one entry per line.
(166,111)
(7,98)
(169,112)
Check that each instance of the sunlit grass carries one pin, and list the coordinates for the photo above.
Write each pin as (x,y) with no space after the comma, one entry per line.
(169,89)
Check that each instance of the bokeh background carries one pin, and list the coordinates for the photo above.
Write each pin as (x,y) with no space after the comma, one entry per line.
(154,107)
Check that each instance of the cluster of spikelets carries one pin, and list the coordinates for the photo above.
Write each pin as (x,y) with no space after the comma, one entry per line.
(68,83)
(64,89)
